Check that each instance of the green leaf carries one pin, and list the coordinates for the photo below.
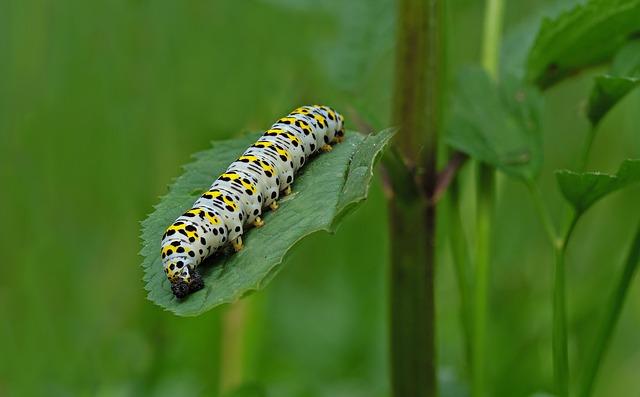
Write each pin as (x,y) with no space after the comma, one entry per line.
(610,88)
(518,39)
(498,125)
(328,186)
(582,190)
(587,35)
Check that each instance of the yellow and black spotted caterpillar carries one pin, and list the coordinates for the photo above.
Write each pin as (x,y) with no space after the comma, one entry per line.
(251,183)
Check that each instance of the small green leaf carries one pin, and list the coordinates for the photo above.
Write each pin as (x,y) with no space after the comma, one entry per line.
(627,60)
(586,35)
(519,38)
(330,184)
(497,125)
(610,88)
(582,190)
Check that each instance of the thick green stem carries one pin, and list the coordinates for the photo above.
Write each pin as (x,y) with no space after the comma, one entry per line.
(417,108)
(610,318)
(413,368)
(418,82)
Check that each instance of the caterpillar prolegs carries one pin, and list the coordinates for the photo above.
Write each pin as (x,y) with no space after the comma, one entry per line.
(236,199)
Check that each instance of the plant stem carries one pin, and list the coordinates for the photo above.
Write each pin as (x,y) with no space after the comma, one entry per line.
(545,218)
(559,335)
(233,323)
(417,91)
(417,108)
(484,211)
(485,185)
(559,340)
(491,36)
(610,318)
(413,368)
(461,261)
(586,149)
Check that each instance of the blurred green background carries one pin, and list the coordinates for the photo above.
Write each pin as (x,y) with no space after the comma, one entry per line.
(102,101)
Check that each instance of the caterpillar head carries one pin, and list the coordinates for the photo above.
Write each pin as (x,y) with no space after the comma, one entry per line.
(184,278)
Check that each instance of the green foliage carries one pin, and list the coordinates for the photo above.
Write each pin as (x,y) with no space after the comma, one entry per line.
(497,124)
(101,101)
(583,189)
(611,87)
(247,390)
(607,91)
(584,36)
(326,187)
(519,39)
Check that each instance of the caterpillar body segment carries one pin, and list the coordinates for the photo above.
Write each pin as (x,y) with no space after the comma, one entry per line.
(308,129)
(237,198)
(227,204)
(280,157)
(289,141)
(264,171)
(315,115)
(248,199)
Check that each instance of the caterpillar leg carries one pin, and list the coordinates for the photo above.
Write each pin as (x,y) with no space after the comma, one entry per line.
(274,206)
(326,148)
(258,222)
(237,244)
(287,191)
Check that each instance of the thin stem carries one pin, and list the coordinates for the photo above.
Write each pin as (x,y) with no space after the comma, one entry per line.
(447,175)
(560,335)
(233,347)
(491,37)
(462,264)
(417,108)
(543,213)
(559,340)
(486,180)
(610,318)
(586,149)
(485,185)
(569,230)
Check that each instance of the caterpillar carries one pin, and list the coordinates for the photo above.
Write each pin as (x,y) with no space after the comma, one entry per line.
(251,184)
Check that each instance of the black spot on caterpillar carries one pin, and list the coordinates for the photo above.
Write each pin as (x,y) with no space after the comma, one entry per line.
(236,199)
